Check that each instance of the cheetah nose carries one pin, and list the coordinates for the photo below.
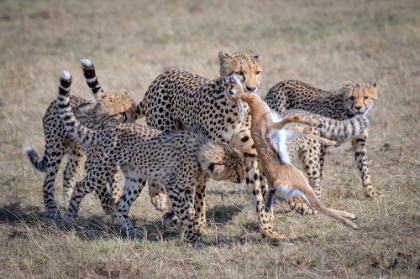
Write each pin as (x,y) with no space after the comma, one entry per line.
(358,108)
(251,88)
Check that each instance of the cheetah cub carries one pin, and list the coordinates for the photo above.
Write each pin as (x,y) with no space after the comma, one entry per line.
(111,108)
(270,133)
(178,161)
(353,99)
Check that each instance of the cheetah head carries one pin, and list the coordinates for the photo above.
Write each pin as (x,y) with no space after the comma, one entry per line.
(247,68)
(114,107)
(222,162)
(360,98)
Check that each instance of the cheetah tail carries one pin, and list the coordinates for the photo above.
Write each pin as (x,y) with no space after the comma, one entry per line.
(90,75)
(344,130)
(84,136)
(37,162)
(333,129)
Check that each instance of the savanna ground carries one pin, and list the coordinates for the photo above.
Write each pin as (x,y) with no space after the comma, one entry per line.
(323,43)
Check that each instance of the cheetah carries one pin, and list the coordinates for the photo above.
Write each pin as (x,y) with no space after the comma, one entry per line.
(352,99)
(178,161)
(270,133)
(110,109)
(202,104)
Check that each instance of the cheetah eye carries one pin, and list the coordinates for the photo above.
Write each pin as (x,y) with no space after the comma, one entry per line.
(258,72)
(365,97)
(240,73)
(351,98)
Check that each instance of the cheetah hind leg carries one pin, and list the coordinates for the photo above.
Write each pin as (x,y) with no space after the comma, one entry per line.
(107,201)
(115,184)
(159,198)
(74,156)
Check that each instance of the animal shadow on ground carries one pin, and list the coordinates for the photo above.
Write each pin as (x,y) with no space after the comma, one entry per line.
(222,214)
(20,220)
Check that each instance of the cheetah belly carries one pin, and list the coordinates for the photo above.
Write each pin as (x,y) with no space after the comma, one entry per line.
(158,171)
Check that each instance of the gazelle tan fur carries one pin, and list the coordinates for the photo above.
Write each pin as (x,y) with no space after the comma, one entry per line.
(270,134)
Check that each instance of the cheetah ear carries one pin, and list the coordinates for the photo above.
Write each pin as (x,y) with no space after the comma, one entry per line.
(223,56)
(179,125)
(374,89)
(216,168)
(139,111)
(348,84)
(257,56)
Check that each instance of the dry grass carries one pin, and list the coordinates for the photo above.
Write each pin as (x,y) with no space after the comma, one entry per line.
(322,42)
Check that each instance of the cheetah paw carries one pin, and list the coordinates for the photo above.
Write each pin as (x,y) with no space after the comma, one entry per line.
(273,237)
(373,195)
(301,207)
(197,245)
(66,222)
(160,201)
(52,214)
(199,228)
(109,209)
(171,219)
(135,233)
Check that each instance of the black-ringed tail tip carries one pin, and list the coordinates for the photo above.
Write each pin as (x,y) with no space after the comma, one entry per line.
(357,228)
(65,84)
(90,75)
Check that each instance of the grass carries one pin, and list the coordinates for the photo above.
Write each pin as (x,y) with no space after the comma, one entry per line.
(323,43)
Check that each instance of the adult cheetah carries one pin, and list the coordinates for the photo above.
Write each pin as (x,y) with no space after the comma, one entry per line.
(200,103)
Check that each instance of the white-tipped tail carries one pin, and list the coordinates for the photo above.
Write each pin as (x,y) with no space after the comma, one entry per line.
(86,62)
(66,75)
(28,149)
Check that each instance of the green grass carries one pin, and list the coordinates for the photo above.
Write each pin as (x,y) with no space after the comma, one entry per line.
(323,43)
